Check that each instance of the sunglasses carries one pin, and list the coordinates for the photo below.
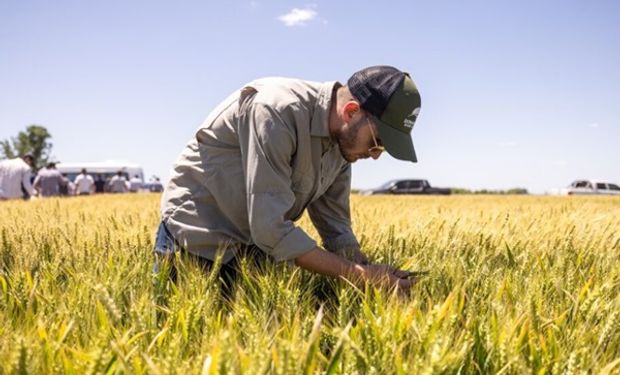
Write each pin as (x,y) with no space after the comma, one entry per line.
(376,150)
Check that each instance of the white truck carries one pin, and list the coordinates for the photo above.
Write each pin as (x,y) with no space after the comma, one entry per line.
(591,187)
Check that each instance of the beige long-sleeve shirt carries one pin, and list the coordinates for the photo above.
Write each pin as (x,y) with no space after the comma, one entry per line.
(15,174)
(48,182)
(258,161)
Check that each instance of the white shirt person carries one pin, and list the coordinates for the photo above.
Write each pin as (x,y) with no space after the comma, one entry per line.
(15,177)
(84,184)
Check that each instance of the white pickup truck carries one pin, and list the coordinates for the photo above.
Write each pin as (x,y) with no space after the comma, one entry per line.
(591,187)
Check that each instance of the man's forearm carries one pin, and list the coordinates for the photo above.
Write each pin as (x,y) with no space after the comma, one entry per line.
(329,264)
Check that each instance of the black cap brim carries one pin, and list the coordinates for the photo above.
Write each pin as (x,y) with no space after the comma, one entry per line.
(398,144)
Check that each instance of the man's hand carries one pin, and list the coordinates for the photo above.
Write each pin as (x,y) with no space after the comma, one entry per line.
(388,277)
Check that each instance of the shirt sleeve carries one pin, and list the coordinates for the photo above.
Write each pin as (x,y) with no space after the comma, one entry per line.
(267,145)
(331,214)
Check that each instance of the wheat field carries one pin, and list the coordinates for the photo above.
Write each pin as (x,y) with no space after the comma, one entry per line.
(516,285)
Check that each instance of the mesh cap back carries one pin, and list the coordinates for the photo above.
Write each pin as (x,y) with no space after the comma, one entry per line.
(374,86)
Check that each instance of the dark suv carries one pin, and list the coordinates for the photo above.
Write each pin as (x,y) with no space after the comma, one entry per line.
(407,187)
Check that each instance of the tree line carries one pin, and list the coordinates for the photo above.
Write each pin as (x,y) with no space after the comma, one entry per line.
(35,140)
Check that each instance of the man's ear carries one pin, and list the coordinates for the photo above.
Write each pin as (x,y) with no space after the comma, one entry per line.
(349,110)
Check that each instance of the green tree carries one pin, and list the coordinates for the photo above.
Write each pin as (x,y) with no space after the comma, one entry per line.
(34,140)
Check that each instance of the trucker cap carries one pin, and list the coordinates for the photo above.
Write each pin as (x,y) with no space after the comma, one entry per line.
(392,98)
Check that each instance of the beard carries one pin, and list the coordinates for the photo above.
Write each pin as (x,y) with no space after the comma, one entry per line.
(347,139)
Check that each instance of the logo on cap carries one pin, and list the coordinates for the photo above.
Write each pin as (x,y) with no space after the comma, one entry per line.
(410,120)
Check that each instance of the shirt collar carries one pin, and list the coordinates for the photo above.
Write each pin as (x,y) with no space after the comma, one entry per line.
(319,127)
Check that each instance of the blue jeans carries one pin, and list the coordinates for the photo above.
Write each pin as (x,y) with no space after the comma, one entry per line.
(166,247)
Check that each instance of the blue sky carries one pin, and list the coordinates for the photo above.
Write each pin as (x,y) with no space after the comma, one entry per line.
(514,93)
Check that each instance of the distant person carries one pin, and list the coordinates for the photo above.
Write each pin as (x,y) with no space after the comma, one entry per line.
(49,181)
(68,187)
(84,184)
(156,186)
(273,149)
(100,184)
(135,184)
(15,175)
(107,187)
(118,183)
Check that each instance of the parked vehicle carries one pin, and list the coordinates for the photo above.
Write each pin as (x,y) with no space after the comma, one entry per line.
(154,185)
(407,187)
(591,187)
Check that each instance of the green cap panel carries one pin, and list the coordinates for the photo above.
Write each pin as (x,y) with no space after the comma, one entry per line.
(397,121)
(403,107)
